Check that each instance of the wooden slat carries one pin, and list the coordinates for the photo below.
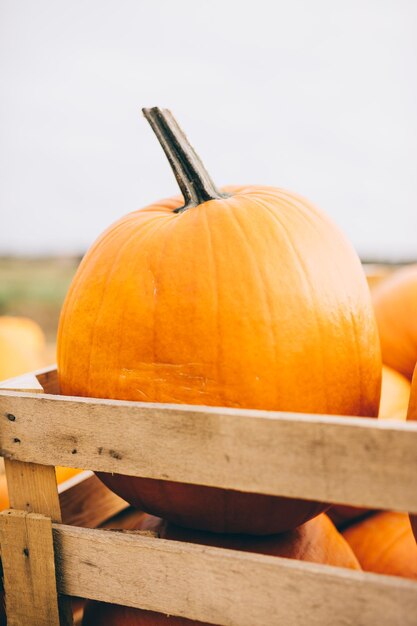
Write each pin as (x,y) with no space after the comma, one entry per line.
(48,378)
(29,569)
(26,382)
(86,502)
(32,488)
(223,586)
(41,380)
(357,461)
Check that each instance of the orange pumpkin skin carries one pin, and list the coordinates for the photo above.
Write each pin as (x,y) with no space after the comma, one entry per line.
(317,541)
(395,395)
(412,415)
(395,304)
(383,543)
(255,301)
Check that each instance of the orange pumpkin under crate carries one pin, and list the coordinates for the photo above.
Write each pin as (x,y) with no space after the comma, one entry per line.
(361,462)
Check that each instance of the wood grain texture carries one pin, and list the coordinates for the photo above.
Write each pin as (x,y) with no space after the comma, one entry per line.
(32,488)
(48,379)
(29,569)
(85,501)
(223,586)
(346,460)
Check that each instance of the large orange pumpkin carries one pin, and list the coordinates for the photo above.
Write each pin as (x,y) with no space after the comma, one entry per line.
(317,541)
(383,543)
(395,395)
(245,298)
(395,304)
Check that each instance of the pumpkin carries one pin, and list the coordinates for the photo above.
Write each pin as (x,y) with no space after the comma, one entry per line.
(395,304)
(316,541)
(21,346)
(412,415)
(395,394)
(383,543)
(249,297)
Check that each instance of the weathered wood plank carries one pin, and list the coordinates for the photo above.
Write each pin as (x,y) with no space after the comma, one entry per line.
(357,461)
(223,586)
(29,569)
(86,502)
(48,378)
(41,380)
(32,488)
(26,382)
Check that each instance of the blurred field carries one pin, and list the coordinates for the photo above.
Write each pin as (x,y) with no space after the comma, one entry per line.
(36,288)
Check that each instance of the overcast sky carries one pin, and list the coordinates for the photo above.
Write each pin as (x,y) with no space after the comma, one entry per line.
(318,97)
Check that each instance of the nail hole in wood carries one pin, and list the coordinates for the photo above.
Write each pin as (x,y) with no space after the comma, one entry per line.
(74,451)
(26,551)
(16,440)
(11,417)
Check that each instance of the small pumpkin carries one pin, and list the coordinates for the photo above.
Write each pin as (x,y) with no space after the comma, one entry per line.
(383,543)
(247,297)
(316,541)
(395,394)
(395,304)
(22,343)
(412,415)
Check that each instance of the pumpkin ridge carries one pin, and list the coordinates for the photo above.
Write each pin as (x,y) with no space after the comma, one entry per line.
(157,274)
(309,211)
(152,228)
(101,305)
(313,212)
(264,290)
(308,291)
(111,233)
(212,257)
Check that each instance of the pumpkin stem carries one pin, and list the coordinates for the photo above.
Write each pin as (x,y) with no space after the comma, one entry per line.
(192,177)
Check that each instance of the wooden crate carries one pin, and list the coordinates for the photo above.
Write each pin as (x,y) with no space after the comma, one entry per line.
(344,460)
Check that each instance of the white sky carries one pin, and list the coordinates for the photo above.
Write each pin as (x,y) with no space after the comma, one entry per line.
(318,97)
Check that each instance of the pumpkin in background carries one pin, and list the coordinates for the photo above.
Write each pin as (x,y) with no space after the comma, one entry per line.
(412,415)
(395,304)
(395,395)
(22,343)
(316,541)
(4,498)
(249,297)
(383,543)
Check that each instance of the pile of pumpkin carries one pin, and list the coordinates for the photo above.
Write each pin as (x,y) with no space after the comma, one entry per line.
(243,297)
